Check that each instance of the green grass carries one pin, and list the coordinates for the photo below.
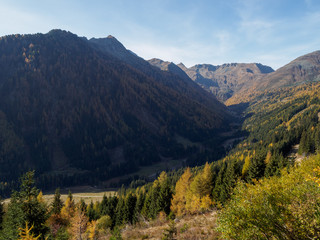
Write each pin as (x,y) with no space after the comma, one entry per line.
(86,196)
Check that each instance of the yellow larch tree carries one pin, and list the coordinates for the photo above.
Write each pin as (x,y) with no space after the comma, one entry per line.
(178,202)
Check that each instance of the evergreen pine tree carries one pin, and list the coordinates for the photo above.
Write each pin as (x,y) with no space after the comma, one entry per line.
(146,206)
(103,207)
(154,207)
(57,203)
(170,232)
(119,212)
(257,167)
(139,205)
(219,192)
(230,178)
(129,207)
(25,207)
(82,205)
(91,212)
(274,166)
(111,209)
(165,194)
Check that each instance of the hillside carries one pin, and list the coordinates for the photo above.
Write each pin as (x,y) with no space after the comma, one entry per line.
(81,114)
(302,70)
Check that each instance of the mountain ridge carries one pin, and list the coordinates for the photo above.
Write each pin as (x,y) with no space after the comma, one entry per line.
(221,80)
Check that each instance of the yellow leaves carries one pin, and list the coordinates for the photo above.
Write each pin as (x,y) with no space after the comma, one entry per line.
(160,180)
(268,157)
(246,165)
(206,202)
(316,178)
(40,197)
(193,194)
(78,224)
(179,198)
(68,209)
(25,233)
(162,177)
(92,230)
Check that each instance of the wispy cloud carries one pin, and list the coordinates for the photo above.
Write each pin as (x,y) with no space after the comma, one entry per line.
(271,32)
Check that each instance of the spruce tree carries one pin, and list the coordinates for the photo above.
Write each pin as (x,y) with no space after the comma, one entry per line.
(165,194)
(103,207)
(139,205)
(154,208)
(57,203)
(25,207)
(257,167)
(219,192)
(92,214)
(129,207)
(119,212)
(82,205)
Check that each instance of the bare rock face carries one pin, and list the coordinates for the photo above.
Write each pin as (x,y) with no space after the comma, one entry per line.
(227,79)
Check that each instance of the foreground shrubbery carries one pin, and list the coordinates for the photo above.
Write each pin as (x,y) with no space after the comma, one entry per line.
(286,207)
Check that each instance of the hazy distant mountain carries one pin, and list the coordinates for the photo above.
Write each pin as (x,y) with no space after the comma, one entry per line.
(227,79)
(169,67)
(86,110)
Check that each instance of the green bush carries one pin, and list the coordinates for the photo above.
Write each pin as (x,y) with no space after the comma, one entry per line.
(286,207)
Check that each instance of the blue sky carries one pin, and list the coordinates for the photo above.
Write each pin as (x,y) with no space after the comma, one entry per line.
(272,32)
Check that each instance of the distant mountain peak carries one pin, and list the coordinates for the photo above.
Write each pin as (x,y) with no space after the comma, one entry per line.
(226,79)
(169,67)
(182,66)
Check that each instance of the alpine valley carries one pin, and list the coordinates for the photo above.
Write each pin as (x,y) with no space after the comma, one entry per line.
(237,142)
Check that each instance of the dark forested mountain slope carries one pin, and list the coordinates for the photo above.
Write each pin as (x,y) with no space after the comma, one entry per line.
(69,108)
